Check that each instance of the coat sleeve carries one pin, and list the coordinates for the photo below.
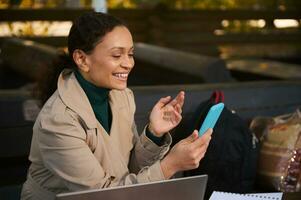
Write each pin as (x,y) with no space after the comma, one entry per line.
(63,147)
(145,155)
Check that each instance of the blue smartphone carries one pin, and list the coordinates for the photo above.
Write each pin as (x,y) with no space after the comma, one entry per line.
(211,118)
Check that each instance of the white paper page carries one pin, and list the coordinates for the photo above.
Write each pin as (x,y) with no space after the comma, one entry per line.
(255,196)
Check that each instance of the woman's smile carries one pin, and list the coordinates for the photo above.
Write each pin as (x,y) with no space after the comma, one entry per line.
(122,76)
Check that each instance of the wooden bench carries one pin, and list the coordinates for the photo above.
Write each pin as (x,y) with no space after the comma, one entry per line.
(154,65)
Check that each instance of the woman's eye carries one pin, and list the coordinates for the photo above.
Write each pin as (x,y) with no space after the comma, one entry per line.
(116,56)
(131,55)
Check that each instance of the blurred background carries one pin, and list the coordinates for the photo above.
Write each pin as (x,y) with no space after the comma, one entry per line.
(249,48)
(254,38)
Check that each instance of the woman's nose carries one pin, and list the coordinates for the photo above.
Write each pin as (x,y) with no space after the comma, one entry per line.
(127,62)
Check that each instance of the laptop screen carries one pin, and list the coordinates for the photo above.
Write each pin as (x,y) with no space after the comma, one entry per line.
(188,188)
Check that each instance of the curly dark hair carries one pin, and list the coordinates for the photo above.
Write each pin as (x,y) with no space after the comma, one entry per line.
(86,32)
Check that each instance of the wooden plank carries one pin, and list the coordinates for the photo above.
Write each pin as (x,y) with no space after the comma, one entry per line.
(232,14)
(51,41)
(209,69)
(266,68)
(61,41)
(260,50)
(52,14)
(208,50)
(38,57)
(196,39)
(137,37)
(15,14)
(233,38)
(132,14)
(188,26)
(138,27)
(27,57)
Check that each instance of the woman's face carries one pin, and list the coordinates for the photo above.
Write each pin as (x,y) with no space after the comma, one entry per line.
(111,60)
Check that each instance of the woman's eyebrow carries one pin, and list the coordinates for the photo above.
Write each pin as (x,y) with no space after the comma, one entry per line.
(121,48)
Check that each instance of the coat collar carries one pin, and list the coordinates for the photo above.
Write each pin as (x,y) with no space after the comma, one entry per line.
(74,97)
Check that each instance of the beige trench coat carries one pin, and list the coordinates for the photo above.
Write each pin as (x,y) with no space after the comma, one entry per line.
(71,151)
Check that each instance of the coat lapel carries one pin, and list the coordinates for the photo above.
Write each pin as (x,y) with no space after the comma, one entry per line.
(75,98)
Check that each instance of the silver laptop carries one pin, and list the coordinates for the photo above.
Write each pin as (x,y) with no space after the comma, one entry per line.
(189,188)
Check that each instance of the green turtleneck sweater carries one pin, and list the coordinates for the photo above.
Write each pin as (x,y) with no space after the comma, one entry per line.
(99,100)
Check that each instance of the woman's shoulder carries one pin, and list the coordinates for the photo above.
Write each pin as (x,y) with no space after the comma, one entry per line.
(53,105)
(55,111)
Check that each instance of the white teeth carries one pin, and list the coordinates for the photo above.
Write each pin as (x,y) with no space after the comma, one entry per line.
(121,75)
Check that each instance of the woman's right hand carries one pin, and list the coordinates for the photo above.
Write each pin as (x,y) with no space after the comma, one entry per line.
(186,154)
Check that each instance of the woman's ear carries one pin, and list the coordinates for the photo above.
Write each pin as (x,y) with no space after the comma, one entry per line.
(80,58)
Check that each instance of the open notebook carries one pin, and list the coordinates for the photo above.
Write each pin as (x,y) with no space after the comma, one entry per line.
(255,196)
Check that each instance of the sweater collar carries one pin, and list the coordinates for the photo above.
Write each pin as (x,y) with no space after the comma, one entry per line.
(95,94)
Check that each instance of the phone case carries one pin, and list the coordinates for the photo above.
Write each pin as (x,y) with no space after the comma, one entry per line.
(211,118)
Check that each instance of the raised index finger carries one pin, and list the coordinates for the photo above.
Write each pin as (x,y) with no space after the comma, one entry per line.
(180,98)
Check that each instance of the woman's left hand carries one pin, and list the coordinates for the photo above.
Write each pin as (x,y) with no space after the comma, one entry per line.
(166,114)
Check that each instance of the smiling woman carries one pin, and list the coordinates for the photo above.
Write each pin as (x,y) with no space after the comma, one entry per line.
(85,136)
(110,62)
